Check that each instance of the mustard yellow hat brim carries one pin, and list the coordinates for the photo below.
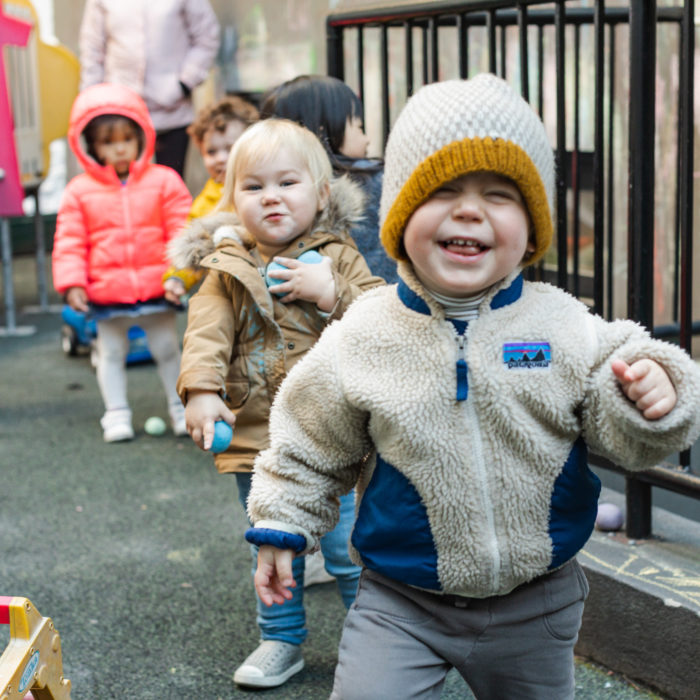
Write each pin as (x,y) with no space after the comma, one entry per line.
(460,158)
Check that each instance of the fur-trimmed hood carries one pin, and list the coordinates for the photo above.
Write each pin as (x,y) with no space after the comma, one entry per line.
(203,236)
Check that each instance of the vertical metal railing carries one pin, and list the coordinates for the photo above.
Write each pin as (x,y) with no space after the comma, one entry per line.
(502,30)
(686,150)
(610,196)
(562,222)
(491,26)
(640,230)
(598,158)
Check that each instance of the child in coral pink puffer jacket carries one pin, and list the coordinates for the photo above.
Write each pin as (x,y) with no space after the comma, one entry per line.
(109,254)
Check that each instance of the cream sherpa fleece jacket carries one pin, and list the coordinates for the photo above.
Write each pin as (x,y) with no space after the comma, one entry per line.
(469,446)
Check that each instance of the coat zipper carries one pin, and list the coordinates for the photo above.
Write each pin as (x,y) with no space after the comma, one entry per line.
(129,243)
(477,450)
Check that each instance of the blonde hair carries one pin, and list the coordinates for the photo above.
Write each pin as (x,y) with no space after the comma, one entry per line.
(261,142)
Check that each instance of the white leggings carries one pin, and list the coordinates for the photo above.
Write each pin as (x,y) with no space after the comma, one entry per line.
(113,348)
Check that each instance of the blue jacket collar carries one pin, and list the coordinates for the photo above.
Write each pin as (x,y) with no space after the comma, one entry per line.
(504,297)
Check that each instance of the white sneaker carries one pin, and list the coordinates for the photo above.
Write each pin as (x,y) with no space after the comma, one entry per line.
(177,419)
(116,425)
(270,665)
(315,570)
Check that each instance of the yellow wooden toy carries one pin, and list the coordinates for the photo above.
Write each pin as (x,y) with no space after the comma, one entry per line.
(32,660)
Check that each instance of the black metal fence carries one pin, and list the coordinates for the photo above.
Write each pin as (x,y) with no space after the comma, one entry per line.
(593,72)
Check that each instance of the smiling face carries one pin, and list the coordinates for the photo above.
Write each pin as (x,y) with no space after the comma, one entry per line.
(470,234)
(276,200)
(216,145)
(117,144)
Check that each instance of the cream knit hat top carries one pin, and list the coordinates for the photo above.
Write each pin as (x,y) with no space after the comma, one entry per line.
(456,127)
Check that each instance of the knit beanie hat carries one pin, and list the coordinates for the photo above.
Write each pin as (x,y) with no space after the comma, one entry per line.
(455,127)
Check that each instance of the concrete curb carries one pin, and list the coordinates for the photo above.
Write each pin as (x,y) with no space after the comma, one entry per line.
(642,617)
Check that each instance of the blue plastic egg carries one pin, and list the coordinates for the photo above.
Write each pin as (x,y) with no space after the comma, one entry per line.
(310,256)
(223,434)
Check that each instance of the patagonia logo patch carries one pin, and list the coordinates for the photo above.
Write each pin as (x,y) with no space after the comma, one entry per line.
(534,355)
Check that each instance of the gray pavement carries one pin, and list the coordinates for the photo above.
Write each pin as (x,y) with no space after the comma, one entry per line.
(135,550)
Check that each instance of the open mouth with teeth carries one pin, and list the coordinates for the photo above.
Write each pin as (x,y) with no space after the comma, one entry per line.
(463,246)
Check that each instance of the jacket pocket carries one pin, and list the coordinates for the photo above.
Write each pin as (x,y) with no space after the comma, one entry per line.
(167,92)
(237,393)
(238,381)
(391,600)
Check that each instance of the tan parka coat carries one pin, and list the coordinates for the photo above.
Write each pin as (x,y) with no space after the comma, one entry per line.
(241,340)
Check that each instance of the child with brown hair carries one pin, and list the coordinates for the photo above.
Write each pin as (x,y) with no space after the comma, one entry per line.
(214,131)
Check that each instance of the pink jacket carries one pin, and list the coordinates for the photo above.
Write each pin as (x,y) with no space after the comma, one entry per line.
(111,237)
(150,46)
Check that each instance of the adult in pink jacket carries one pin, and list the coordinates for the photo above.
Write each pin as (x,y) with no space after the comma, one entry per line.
(162,49)
(109,253)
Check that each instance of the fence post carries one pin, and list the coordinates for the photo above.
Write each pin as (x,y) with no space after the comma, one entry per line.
(686,150)
(640,230)
(334,51)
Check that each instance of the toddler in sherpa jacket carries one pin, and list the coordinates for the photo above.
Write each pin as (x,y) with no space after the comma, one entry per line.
(463,402)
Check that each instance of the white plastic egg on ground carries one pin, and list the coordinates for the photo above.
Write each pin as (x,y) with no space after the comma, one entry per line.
(155,426)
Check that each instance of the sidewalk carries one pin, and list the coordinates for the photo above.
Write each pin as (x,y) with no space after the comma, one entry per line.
(643,612)
(135,550)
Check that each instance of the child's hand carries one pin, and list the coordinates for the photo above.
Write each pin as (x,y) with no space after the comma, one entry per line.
(203,409)
(273,577)
(646,383)
(174,289)
(307,281)
(77,299)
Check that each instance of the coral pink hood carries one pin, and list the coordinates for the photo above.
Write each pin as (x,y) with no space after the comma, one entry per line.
(107,98)
(111,236)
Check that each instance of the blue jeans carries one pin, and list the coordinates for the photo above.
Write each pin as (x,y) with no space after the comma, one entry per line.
(287,622)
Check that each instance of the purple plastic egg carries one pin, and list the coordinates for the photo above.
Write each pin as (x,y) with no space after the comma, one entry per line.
(609,517)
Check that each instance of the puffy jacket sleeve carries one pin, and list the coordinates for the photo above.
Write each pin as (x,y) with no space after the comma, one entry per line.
(93,39)
(352,275)
(203,30)
(209,338)
(176,204)
(69,258)
(612,425)
(317,444)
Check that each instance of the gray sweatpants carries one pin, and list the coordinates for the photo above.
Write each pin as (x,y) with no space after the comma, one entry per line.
(399,642)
